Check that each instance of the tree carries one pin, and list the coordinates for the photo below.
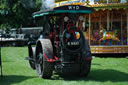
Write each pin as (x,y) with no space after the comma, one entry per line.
(14,13)
(17,14)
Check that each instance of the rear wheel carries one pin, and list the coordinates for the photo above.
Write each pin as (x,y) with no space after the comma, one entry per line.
(44,68)
(31,57)
(32,62)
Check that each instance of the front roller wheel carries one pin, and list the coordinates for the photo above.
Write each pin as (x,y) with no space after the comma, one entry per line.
(85,68)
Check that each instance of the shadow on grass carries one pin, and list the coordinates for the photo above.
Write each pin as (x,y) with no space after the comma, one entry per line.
(107,75)
(99,75)
(12,79)
(96,64)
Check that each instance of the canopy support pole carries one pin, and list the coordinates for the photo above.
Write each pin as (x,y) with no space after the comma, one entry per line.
(100,21)
(127,26)
(121,30)
(89,29)
(108,21)
(111,20)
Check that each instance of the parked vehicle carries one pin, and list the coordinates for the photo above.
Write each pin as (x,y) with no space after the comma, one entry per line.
(62,47)
(31,33)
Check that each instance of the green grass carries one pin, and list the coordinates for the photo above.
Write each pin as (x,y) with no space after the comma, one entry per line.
(104,71)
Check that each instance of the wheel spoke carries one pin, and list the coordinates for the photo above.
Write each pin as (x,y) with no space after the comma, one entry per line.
(39,64)
(39,69)
(40,58)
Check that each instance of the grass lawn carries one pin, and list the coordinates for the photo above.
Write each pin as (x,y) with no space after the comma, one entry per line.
(104,71)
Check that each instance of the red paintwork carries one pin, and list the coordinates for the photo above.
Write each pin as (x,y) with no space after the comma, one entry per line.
(50,60)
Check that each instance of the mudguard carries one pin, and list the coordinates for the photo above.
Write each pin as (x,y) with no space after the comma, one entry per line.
(46,46)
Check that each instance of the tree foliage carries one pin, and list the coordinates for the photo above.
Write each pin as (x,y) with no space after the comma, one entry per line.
(13,14)
(17,13)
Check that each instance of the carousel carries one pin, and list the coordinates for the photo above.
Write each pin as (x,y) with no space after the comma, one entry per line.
(108,28)
(107,31)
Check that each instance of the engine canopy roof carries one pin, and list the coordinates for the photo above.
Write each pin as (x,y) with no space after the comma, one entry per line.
(64,9)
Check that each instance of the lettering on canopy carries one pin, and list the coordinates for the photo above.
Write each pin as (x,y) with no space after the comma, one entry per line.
(73,7)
